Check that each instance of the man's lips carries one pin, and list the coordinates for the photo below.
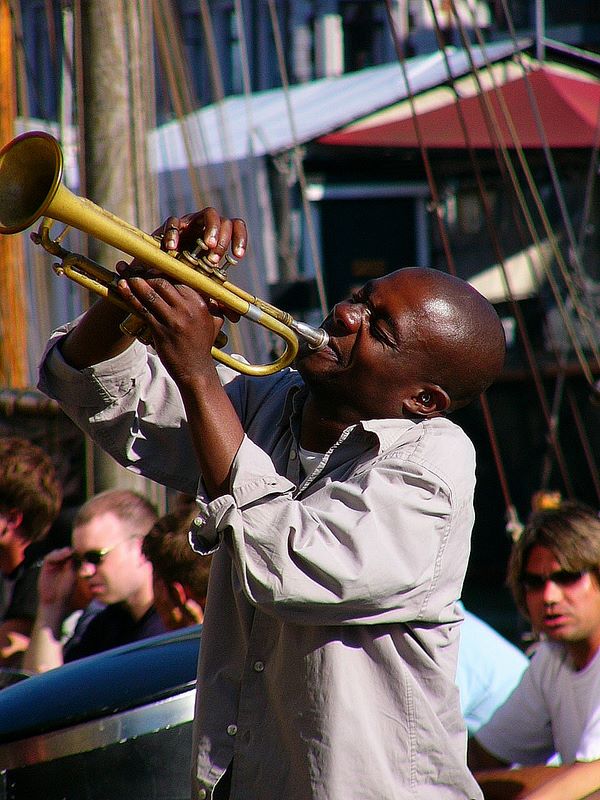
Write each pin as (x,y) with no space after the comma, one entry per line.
(333,347)
(554,620)
(330,348)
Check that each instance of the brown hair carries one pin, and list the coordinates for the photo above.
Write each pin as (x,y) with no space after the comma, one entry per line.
(29,483)
(571,532)
(168,549)
(130,507)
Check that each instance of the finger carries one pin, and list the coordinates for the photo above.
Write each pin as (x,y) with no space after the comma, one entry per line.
(135,290)
(232,316)
(125,270)
(211,220)
(239,238)
(170,237)
(154,298)
(59,556)
(223,242)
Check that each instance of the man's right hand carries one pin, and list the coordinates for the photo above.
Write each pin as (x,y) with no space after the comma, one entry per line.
(57,579)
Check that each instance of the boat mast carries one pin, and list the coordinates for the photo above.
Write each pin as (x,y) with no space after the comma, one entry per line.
(540,29)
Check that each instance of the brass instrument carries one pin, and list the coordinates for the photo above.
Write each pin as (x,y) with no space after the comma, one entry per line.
(31,168)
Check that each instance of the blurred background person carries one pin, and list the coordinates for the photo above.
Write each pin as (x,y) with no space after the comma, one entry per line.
(180,574)
(554,575)
(30,501)
(107,554)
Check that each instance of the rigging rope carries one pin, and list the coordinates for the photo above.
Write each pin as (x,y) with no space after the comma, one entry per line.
(490,113)
(497,138)
(504,487)
(552,418)
(574,249)
(173,63)
(492,232)
(296,155)
(231,165)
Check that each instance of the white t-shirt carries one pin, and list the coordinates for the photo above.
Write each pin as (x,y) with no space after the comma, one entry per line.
(555,708)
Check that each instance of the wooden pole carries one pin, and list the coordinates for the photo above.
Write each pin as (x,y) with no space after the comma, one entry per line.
(118,110)
(13,314)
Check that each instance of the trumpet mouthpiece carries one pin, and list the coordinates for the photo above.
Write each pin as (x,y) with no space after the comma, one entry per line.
(317,338)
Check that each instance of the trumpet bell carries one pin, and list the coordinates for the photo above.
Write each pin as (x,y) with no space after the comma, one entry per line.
(27,193)
(31,169)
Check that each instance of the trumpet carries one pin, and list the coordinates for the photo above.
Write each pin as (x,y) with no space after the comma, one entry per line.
(31,188)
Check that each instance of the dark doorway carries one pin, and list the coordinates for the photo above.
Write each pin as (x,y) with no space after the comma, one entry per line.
(364,238)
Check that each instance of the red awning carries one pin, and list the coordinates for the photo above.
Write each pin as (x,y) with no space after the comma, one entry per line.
(569,108)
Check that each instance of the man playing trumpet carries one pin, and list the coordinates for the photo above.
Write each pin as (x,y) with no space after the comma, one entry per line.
(337,498)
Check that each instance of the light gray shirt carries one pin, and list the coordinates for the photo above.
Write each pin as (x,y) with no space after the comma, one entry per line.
(330,639)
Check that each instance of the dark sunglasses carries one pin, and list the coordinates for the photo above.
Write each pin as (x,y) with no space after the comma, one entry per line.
(535,582)
(94,557)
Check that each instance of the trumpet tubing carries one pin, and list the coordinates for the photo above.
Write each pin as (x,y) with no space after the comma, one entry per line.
(31,188)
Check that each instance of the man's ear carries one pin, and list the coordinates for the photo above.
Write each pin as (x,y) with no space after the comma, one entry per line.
(429,400)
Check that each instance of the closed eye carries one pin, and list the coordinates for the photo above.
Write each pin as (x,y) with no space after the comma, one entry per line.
(380,327)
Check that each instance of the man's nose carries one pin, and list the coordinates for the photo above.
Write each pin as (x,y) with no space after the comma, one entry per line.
(348,316)
(552,592)
(86,569)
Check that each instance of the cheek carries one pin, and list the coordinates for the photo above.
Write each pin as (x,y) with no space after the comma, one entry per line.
(534,603)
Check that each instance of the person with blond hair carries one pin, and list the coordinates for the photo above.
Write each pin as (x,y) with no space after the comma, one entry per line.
(106,553)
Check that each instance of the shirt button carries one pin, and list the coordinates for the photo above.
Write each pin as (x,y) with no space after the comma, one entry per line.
(198,522)
(293,455)
(232,730)
(258,666)
(202,793)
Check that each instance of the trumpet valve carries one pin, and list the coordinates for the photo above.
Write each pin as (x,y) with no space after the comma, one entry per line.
(199,258)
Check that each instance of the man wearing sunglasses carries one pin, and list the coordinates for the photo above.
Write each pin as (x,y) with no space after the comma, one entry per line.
(554,577)
(107,556)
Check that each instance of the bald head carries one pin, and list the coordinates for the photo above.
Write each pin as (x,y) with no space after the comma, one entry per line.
(415,343)
(457,334)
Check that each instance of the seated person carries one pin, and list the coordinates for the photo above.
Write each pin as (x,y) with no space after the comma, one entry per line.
(30,500)
(107,553)
(554,577)
(180,574)
(489,668)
